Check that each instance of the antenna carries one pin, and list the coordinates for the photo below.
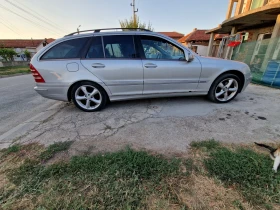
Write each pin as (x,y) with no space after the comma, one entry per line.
(78,30)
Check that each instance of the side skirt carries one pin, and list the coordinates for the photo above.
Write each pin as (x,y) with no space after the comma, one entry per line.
(131,97)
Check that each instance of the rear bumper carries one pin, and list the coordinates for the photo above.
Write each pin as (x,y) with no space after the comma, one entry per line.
(56,92)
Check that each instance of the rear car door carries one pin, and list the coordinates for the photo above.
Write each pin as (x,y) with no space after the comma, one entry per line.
(165,67)
(113,59)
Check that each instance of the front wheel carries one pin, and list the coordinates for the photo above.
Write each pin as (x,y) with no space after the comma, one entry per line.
(88,96)
(224,89)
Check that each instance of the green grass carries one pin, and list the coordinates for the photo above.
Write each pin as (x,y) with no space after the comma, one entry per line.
(250,172)
(14,70)
(130,179)
(12,149)
(121,180)
(209,144)
(53,149)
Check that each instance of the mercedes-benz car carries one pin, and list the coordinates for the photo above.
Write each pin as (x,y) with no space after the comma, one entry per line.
(93,67)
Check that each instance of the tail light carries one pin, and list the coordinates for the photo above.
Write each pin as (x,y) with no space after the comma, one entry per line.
(37,76)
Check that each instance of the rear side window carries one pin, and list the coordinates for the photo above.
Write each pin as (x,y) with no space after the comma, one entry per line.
(96,48)
(67,49)
(119,46)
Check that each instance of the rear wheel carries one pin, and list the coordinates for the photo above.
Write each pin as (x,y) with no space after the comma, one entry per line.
(88,96)
(224,89)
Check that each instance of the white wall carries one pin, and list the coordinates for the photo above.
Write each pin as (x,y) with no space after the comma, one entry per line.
(201,50)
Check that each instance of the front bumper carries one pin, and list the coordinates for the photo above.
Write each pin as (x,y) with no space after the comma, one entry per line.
(248,80)
(56,92)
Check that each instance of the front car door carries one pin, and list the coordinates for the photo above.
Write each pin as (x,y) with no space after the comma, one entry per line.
(165,67)
(113,59)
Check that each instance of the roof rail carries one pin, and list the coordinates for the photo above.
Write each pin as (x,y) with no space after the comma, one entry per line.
(106,29)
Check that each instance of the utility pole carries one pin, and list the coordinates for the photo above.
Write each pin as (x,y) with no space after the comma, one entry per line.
(134,12)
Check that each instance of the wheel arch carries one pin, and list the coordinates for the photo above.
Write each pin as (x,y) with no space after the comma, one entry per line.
(238,73)
(72,85)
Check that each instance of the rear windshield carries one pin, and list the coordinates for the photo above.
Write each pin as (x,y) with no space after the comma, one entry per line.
(67,49)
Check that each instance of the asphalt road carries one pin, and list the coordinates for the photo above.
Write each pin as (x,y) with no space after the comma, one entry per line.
(19,102)
(165,125)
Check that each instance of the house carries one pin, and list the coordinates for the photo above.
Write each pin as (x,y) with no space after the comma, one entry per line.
(254,28)
(197,40)
(174,35)
(216,44)
(20,45)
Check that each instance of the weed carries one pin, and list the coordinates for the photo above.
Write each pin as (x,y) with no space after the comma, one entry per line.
(14,70)
(53,149)
(249,171)
(12,149)
(109,181)
(209,145)
(238,205)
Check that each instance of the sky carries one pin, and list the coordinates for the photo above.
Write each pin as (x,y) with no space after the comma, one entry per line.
(37,19)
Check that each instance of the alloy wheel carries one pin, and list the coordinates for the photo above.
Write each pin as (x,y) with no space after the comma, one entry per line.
(226,89)
(88,97)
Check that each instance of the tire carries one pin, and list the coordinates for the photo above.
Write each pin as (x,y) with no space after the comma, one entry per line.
(88,96)
(224,89)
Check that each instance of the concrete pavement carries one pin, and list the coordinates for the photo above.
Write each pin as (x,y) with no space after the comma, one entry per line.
(164,125)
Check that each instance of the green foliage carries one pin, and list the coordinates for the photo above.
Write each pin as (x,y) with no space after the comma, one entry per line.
(55,148)
(111,181)
(249,171)
(27,54)
(7,54)
(209,144)
(129,23)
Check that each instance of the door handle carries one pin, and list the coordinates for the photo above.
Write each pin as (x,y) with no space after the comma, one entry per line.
(98,65)
(150,65)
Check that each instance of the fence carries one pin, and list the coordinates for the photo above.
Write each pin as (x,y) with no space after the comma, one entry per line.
(263,57)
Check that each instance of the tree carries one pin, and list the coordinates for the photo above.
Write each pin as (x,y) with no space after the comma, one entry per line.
(27,54)
(137,24)
(7,54)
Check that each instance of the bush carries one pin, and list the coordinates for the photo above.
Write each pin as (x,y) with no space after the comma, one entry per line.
(7,54)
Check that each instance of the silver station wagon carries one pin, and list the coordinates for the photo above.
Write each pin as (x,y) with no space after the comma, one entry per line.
(93,67)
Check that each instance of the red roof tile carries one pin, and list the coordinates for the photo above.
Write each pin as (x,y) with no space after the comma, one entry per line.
(173,34)
(196,35)
(22,43)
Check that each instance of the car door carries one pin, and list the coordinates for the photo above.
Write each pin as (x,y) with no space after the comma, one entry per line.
(113,59)
(165,67)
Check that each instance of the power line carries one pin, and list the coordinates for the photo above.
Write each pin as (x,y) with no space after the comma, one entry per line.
(37,24)
(10,28)
(42,20)
(7,21)
(20,2)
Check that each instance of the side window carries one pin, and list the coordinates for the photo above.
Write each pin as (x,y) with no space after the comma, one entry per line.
(119,46)
(158,48)
(96,48)
(67,49)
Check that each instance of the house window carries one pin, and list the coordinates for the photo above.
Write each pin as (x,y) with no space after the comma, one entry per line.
(256,4)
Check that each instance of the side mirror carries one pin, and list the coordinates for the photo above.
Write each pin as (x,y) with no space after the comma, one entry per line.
(189,56)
